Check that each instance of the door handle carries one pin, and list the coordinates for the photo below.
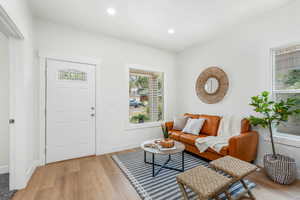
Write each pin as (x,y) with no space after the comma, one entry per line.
(11,121)
(92,108)
(92,115)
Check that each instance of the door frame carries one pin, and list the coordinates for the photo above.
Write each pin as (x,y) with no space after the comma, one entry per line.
(14,35)
(43,96)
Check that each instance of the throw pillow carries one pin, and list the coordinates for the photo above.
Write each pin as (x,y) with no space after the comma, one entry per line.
(193,126)
(179,123)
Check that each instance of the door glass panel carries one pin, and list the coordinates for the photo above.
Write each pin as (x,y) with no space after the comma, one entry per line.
(73,75)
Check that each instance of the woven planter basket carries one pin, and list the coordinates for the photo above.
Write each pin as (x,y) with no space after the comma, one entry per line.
(281,170)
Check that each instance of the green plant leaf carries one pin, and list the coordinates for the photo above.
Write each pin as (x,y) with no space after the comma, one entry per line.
(265,94)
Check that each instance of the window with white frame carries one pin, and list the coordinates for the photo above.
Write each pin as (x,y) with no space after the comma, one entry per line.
(146,96)
(286,82)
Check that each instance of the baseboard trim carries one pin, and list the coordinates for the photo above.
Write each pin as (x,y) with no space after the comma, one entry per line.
(116,149)
(31,170)
(4,169)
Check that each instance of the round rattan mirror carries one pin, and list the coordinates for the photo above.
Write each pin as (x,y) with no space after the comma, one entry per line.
(212,85)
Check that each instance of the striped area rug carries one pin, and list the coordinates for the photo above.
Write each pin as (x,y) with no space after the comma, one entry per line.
(164,185)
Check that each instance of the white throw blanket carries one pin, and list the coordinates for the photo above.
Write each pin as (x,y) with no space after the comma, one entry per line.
(229,126)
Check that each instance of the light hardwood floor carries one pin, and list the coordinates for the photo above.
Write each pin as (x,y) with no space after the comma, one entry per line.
(99,178)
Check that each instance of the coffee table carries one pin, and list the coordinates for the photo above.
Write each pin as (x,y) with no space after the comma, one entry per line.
(179,149)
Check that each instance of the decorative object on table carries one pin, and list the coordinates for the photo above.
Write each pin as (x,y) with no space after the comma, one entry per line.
(163,186)
(167,143)
(212,85)
(139,118)
(164,144)
(151,145)
(164,131)
(281,169)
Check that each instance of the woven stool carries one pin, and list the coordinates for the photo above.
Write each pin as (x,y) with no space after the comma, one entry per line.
(238,169)
(205,182)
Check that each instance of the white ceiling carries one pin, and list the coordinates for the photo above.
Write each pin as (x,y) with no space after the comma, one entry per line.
(147,21)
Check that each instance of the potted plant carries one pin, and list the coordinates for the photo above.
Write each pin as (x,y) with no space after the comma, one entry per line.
(139,118)
(167,142)
(280,168)
(164,131)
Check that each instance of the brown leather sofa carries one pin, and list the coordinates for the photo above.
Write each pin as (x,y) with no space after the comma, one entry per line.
(243,146)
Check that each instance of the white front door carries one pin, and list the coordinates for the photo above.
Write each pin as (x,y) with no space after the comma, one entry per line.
(70,110)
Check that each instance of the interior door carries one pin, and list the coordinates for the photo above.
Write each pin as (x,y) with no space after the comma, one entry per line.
(70,110)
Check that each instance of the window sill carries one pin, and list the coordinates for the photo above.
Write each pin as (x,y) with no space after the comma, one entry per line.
(142,126)
(285,139)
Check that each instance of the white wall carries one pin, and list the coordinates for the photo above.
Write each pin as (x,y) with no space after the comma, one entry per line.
(244,54)
(26,91)
(112,92)
(4,104)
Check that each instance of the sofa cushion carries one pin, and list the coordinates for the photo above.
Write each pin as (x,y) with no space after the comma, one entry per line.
(193,126)
(211,125)
(175,134)
(179,122)
(189,138)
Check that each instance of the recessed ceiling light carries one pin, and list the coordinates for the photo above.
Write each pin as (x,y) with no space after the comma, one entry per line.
(111,11)
(171,31)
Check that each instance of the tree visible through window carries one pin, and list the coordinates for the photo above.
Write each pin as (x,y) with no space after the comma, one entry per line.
(145,96)
(286,82)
